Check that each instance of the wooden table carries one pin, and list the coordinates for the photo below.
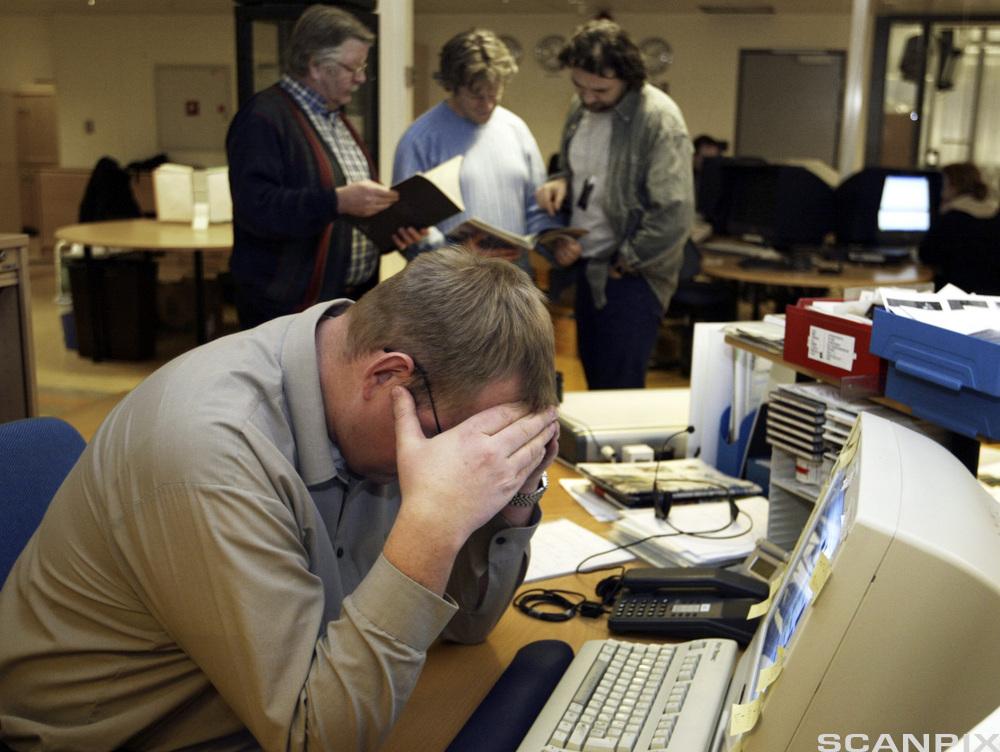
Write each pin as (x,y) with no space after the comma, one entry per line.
(457,677)
(150,235)
(727,266)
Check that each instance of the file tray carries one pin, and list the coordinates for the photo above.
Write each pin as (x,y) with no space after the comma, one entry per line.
(832,345)
(950,379)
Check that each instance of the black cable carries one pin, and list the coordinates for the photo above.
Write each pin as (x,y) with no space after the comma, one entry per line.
(528,602)
(706,534)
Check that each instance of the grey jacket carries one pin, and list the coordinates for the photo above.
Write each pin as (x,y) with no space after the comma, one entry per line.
(650,195)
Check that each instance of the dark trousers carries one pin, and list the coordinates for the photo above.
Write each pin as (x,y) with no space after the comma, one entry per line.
(616,342)
(254,309)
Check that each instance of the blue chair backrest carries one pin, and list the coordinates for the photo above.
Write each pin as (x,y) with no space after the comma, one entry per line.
(36,454)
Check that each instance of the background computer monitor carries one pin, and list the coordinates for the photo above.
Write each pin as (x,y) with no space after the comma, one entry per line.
(783,206)
(882,207)
(902,637)
(710,193)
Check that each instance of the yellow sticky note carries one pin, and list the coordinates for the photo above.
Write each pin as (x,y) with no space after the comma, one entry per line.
(820,575)
(744,717)
(768,675)
(775,584)
(758,609)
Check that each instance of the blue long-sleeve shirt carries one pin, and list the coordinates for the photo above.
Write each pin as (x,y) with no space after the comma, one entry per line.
(501,169)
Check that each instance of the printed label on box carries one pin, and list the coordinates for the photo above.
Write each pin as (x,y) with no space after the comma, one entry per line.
(832,348)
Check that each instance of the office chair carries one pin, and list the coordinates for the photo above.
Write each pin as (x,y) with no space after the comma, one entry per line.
(695,301)
(37,455)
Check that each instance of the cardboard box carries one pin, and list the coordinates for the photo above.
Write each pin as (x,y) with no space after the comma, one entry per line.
(179,189)
(832,345)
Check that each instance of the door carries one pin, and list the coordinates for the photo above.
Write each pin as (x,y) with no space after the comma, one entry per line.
(790,105)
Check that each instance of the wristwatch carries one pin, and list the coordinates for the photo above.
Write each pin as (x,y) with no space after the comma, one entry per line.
(530,499)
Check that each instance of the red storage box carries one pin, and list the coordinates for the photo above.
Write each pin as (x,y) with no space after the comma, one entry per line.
(832,345)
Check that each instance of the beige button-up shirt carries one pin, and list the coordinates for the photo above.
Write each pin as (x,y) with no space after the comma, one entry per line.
(210,573)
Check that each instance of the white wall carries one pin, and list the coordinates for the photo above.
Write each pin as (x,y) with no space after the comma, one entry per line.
(26,45)
(702,79)
(104,73)
(103,67)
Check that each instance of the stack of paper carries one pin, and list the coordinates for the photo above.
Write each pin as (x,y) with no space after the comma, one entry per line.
(560,546)
(950,308)
(729,542)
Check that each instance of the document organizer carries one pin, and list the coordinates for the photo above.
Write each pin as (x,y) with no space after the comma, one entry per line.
(832,345)
(948,378)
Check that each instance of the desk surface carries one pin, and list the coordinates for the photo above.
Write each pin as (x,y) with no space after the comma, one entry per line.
(149,234)
(457,677)
(727,266)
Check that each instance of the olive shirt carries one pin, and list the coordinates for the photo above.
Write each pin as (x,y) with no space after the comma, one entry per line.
(210,573)
(648,189)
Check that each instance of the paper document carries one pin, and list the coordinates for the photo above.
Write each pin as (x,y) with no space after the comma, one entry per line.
(672,549)
(949,308)
(559,546)
(582,492)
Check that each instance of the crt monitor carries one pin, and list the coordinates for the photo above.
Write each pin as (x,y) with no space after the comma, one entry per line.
(779,205)
(883,207)
(711,189)
(885,620)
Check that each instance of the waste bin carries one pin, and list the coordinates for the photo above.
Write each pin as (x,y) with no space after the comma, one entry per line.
(125,291)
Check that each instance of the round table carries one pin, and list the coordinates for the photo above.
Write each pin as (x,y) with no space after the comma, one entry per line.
(839,276)
(150,235)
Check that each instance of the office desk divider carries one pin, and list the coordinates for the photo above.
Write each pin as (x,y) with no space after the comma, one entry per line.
(945,377)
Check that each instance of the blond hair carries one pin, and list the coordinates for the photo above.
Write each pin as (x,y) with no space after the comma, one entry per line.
(467,321)
(473,58)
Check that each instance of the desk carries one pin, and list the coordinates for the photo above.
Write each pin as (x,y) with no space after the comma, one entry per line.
(727,266)
(457,677)
(151,235)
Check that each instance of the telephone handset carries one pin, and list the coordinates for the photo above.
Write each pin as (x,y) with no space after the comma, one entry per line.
(687,602)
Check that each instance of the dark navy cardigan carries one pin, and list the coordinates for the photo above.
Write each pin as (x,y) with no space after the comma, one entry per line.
(280,207)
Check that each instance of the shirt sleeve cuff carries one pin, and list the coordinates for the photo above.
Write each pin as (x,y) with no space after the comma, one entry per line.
(508,543)
(390,600)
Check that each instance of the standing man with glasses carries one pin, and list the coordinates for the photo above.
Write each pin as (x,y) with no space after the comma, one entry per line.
(624,175)
(296,169)
(263,539)
(501,166)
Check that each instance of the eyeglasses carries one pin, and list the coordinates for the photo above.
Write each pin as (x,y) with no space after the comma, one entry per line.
(355,72)
(427,385)
(430,394)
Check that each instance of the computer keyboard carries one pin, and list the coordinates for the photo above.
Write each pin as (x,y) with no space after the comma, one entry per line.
(621,696)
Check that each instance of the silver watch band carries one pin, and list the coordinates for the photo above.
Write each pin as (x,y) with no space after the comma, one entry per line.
(530,499)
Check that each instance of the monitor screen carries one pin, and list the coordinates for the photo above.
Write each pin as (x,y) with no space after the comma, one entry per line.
(880,207)
(905,205)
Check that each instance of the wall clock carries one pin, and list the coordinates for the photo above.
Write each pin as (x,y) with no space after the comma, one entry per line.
(516,50)
(657,54)
(547,52)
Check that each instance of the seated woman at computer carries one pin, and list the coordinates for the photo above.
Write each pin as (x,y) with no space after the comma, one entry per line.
(963,244)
